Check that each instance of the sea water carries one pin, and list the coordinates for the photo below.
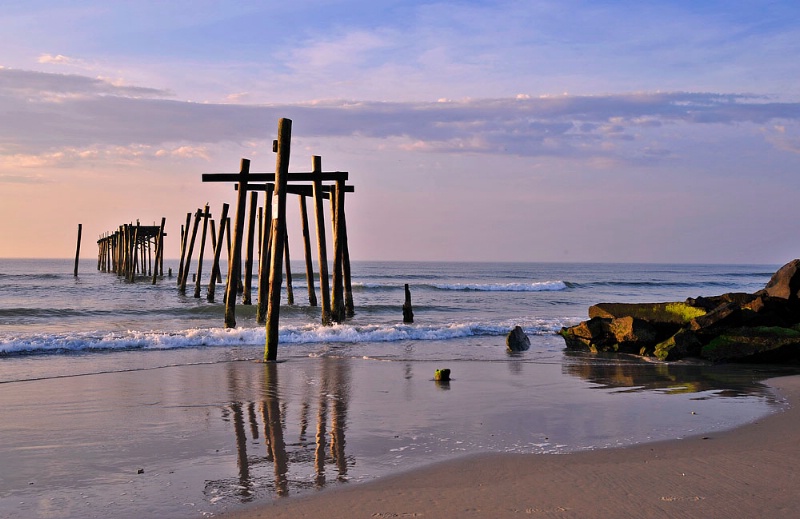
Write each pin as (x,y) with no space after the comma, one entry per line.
(101,378)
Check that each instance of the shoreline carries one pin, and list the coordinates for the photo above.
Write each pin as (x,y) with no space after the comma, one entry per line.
(749,471)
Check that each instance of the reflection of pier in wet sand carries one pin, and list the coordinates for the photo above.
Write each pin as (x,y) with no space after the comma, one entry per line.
(286,465)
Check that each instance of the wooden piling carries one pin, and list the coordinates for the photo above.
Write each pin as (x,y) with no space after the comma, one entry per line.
(337,299)
(260,234)
(184,241)
(215,271)
(264,258)
(187,265)
(278,236)
(349,307)
(408,312)
(321,247)
(248,262)
(289,290)
(236,247)
(160,250)
(132,252)
(206,216)
(78,250)
(312,296)
(217,252)
(213,228)
(149,256)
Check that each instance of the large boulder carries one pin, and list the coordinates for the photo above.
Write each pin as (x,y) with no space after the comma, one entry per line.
(683,344)
(516,340)
(591,335)
(677,313)
(632,334)
(755,344)
(785,283)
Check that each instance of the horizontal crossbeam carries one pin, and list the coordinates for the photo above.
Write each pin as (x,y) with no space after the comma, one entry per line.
(295,189)
(325,176)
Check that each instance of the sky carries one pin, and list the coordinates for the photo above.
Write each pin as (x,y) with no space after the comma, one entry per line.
(503,130)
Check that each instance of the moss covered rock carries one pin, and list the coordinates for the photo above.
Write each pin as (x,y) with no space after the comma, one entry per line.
(676,313)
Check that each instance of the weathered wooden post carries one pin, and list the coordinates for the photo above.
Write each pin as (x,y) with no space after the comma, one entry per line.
(264,258)
(260,234)
(206,216)
(147,256)
(160,250)
(161,245)
(78,249)
(215,274)
(228,239)
(133,252)
(236,247)
(187,265)
(120,248)
(278,236)
(349,306)
(337,299)
(408,312)
(184,241)
(248,262)
(217,252)
(312,296)
(112,253)
(289,290)
(321,247)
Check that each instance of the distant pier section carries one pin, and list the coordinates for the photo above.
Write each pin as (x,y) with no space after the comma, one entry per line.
(131,250)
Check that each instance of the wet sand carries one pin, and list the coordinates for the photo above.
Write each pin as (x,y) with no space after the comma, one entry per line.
(363,437)
(747,472)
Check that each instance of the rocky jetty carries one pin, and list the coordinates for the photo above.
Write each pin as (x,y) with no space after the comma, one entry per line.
(733,327)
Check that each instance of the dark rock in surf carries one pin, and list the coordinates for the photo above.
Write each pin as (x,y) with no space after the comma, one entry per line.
(516,340)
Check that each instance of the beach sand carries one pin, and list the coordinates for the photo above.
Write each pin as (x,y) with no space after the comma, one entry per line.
(747,472)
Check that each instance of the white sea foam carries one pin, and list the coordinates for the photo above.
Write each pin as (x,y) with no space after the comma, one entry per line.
(543,286)
(305,334)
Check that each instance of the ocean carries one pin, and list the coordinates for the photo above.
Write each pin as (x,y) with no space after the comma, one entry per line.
(131,399)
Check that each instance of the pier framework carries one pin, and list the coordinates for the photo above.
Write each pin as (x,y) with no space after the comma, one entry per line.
(337,302)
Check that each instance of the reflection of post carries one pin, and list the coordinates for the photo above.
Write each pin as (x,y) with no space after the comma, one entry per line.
(322,420)
(341,382)
(251,412)
(275,428)
(241,449)
(267,439)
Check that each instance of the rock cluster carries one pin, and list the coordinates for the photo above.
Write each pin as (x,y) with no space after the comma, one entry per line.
(734,327)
